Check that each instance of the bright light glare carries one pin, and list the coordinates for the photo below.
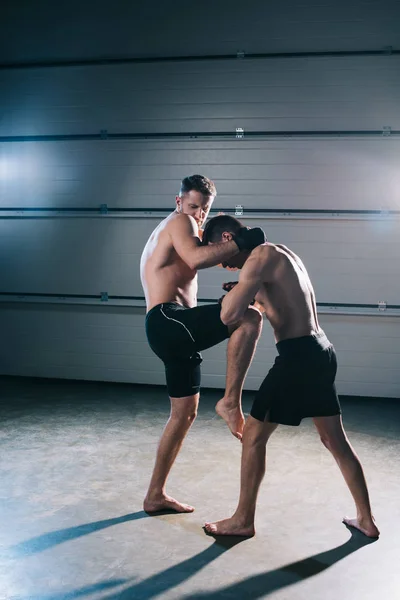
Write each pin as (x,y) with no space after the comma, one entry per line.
(8,169)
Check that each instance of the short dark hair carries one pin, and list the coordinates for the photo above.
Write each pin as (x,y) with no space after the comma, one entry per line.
(217,225)
(199,183)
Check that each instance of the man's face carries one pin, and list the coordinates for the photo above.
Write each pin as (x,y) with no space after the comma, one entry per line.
(196,205)
(235,262)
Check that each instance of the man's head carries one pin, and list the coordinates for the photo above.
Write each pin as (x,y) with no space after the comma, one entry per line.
(222,229)
(195,197)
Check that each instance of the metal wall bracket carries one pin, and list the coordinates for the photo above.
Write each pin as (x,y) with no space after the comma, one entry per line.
(239,133)
(238,210)
(382,305)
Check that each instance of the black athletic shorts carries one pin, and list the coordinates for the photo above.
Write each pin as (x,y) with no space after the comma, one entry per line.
(301,382)
(177,335)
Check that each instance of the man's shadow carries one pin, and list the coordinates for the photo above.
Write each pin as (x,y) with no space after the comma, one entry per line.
(54,538)
(251,588)
(152,586)
(264,584)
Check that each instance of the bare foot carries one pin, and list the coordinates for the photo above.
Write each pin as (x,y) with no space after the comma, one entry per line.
(368,528)
(166,503)
(232,415)
(230,527)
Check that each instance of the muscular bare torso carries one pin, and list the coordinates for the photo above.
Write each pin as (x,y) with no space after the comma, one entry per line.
(165,276)
(288,299)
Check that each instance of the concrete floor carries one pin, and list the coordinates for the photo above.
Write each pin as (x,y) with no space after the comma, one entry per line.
(76,460)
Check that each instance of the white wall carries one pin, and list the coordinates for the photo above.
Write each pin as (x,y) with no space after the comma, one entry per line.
(350,261)
(108,344)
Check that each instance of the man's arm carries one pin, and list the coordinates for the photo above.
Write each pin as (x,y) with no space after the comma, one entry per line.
(184,235)
(258,269)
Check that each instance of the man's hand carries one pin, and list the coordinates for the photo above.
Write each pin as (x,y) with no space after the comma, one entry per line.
(227,287)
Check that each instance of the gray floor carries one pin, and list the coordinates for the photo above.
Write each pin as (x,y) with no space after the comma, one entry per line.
(76,459)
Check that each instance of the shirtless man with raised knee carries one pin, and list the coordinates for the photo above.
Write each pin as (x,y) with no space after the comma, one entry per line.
(301,382)
(177,330)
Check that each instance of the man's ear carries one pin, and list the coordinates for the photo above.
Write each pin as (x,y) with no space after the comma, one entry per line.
(226,236)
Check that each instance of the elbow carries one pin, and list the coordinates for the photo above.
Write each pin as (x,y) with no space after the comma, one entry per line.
(193,263)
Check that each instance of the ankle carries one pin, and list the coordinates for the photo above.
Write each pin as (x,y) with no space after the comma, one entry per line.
(231,400)
(365,517)
(155,494)
(244,519)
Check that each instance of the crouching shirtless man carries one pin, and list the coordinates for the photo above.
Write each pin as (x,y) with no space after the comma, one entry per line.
(177,330)
(300,383)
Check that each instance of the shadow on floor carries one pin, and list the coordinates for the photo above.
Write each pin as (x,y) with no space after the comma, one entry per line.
(86,591)
(259,586)
(152,586)
(49,540)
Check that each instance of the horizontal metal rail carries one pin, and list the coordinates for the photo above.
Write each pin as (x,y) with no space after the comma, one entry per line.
(105,209)
(104,298)
(198,135)
(241,55)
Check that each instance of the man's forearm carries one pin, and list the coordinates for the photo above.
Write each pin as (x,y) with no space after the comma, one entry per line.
(211,255)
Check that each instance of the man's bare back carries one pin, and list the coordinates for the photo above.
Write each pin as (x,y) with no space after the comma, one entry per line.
(277,279)
(286,293)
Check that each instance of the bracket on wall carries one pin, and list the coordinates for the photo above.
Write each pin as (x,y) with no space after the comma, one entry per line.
(239,133)
(238,210)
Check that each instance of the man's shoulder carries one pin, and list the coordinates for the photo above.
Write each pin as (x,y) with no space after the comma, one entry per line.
(262,260)
(263,251)
(181,223)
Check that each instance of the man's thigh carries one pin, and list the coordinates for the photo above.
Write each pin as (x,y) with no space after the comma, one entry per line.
(184,406)
(205,325)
